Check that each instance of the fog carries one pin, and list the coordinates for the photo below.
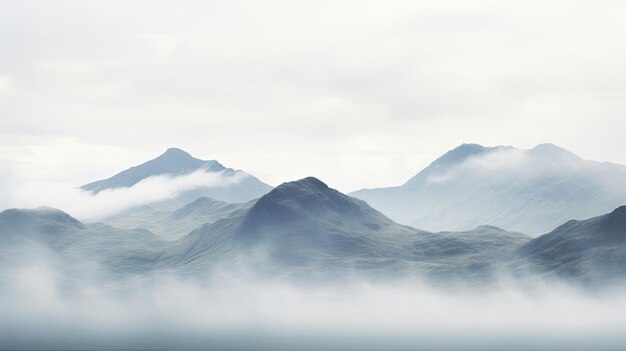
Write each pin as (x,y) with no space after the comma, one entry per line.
(86,206)
(533,164)
(42,307)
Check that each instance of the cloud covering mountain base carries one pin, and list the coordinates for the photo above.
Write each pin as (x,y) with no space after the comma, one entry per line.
(237,311)
(302,267)
(91,207)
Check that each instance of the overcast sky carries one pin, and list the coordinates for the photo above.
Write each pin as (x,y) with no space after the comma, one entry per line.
(359,94)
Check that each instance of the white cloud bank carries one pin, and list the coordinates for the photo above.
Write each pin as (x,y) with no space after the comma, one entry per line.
(166,312)
(86,206)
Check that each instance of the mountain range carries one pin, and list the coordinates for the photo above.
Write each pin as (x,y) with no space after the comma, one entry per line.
(306,231)
(530,191)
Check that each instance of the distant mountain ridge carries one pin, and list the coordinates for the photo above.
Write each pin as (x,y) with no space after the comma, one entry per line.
(173,224)
(531,191)
(173,162)
(176,162)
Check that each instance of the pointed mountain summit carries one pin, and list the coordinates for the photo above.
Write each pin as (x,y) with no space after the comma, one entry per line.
(530,191)
(615,223)
(173,162)
(303,200)
(308,208)
(462,153)
(306,229)
(294,223)
(451,159)
(176,162)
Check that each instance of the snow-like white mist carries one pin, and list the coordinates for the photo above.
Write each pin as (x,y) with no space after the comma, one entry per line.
(534,164)
(87,206)
(231,311)
(530,191)
(58,299)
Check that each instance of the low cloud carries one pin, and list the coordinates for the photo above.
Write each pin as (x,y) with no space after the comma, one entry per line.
(87,206)
(501,164)
(164,311)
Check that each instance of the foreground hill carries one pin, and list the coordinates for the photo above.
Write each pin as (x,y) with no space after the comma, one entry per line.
(176,162)
(305,229)
(591,251)
(530,191)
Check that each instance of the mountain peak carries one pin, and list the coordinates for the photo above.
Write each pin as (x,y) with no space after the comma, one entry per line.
(469,146)
(175,156)
(173,162)
(615,222)
(450,159)
(465,151)
(309,187)
(310,183)
(306,198)
(176,162)
(620,211)
(175,152)
(462,151)
(551,151)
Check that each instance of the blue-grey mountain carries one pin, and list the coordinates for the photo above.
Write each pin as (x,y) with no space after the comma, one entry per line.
(530,191)
(305,230)
(592,251)
(175,162)
(51,236)
(175,223)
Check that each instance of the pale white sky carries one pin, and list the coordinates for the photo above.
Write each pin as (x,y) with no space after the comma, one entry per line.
(357,93)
